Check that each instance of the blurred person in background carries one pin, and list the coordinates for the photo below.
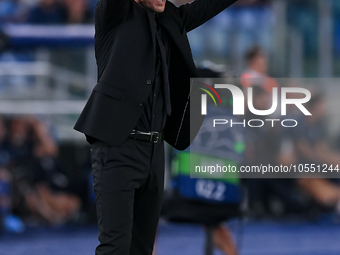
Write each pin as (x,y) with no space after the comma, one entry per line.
(16,142)
(39,179)
(276,146)
(260,141)
(306,144)
(257,67)
(312,148)
(268,197)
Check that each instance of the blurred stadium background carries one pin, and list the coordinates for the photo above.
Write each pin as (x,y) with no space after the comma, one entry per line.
(47,71)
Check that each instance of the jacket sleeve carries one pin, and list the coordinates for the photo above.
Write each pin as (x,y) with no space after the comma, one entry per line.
(110,12)
(198,12)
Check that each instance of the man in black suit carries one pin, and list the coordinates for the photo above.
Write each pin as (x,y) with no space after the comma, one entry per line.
(141,98)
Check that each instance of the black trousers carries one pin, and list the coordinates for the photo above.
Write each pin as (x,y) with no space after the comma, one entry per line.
(128,183)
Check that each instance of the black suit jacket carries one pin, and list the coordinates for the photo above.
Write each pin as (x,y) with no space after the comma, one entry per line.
(125,52)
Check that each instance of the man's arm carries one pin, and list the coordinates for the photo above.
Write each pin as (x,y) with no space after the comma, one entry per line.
(110,12)
(198,12)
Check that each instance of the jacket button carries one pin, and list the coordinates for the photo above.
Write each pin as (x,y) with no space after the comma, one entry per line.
(149,82)
(140,103)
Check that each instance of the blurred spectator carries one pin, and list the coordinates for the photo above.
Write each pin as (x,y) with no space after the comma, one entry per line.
(269,145)
(311,147)
(257,67)
(40,184)
(261,143)
(48,12)
(16,143)
(304,144)
(311,135)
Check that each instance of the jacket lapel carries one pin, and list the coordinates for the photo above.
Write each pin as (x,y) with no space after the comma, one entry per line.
(152,22)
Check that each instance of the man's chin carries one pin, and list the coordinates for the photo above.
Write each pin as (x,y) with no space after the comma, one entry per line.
(159,9)
(159,6)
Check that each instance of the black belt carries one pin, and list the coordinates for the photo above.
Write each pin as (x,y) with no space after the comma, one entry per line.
(151,137)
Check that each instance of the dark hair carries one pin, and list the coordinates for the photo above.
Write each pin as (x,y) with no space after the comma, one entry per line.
(253,52)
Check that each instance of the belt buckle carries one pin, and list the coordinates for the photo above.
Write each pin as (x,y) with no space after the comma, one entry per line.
(154,135)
